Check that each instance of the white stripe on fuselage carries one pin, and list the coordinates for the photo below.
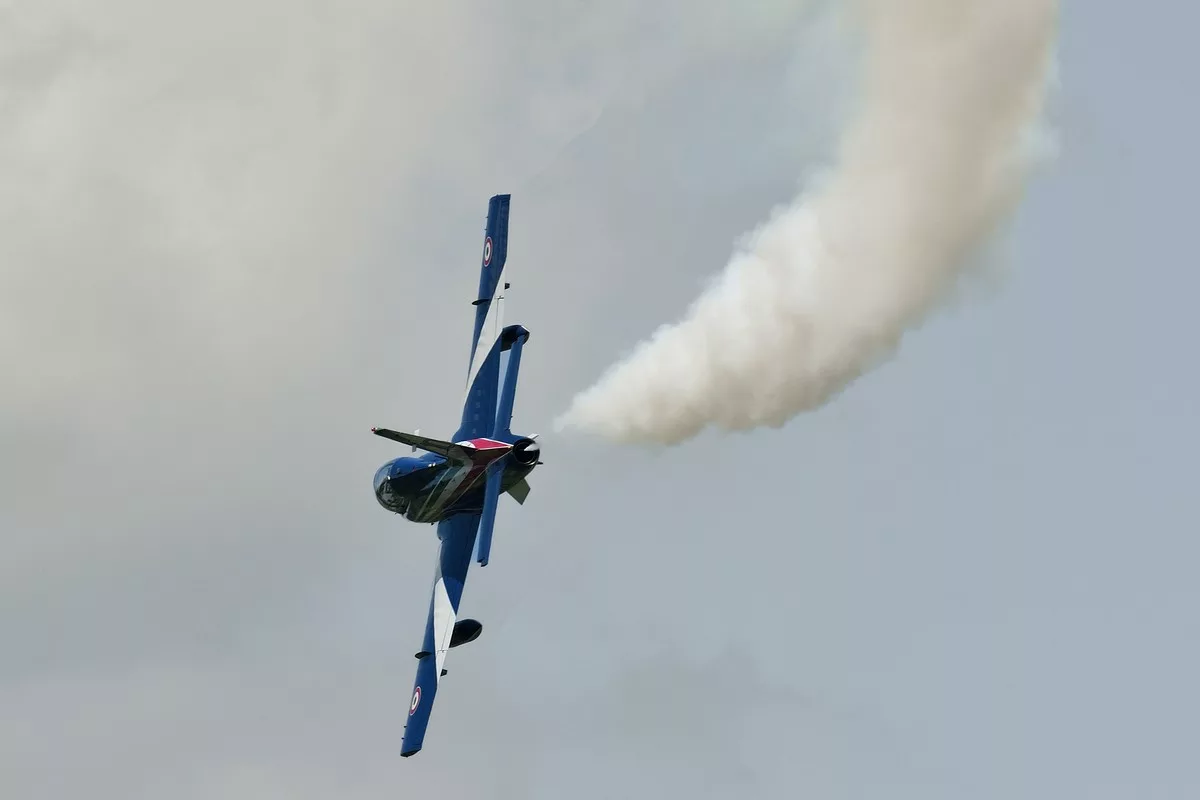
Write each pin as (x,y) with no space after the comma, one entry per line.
(444,487)
(441,498)
(460,479)
(418,515)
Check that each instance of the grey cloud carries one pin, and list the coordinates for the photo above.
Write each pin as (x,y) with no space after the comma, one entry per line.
(235,237)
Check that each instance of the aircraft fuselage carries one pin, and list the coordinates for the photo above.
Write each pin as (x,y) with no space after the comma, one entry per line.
(431,488)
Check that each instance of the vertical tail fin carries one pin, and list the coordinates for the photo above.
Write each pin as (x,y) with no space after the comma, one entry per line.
(514,339)
(489,402)
(487,302)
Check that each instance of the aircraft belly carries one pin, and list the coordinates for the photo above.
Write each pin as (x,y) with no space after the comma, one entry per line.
(471,501)
(456,491)
(433,503)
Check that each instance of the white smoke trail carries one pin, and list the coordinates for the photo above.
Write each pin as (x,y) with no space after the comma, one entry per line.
(824,290)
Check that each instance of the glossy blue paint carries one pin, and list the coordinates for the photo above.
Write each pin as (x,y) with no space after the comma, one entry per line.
(412,489)
(458,483)
(457,534)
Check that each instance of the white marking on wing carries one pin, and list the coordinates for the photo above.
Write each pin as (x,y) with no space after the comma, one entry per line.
(487,337)
(443,624)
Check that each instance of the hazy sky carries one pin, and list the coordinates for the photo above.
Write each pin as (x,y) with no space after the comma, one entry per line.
(235,236)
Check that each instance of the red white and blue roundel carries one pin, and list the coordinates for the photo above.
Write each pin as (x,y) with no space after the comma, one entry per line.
(487,251)
(416,701)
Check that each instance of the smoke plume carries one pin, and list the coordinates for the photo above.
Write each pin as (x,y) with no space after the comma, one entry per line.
(934,160)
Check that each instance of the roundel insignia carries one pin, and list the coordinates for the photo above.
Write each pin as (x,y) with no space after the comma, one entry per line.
(487,251)
(416,701)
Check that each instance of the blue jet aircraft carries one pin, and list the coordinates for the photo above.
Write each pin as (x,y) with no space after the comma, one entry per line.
(457,483)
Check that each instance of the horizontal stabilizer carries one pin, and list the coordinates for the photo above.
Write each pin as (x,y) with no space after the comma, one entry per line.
(449,450)
(519,491)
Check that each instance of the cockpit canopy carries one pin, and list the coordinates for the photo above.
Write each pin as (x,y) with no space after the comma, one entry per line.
(381,475)
(398,468)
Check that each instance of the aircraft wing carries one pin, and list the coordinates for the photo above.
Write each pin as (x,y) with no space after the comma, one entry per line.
(457,536)
(487,411)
